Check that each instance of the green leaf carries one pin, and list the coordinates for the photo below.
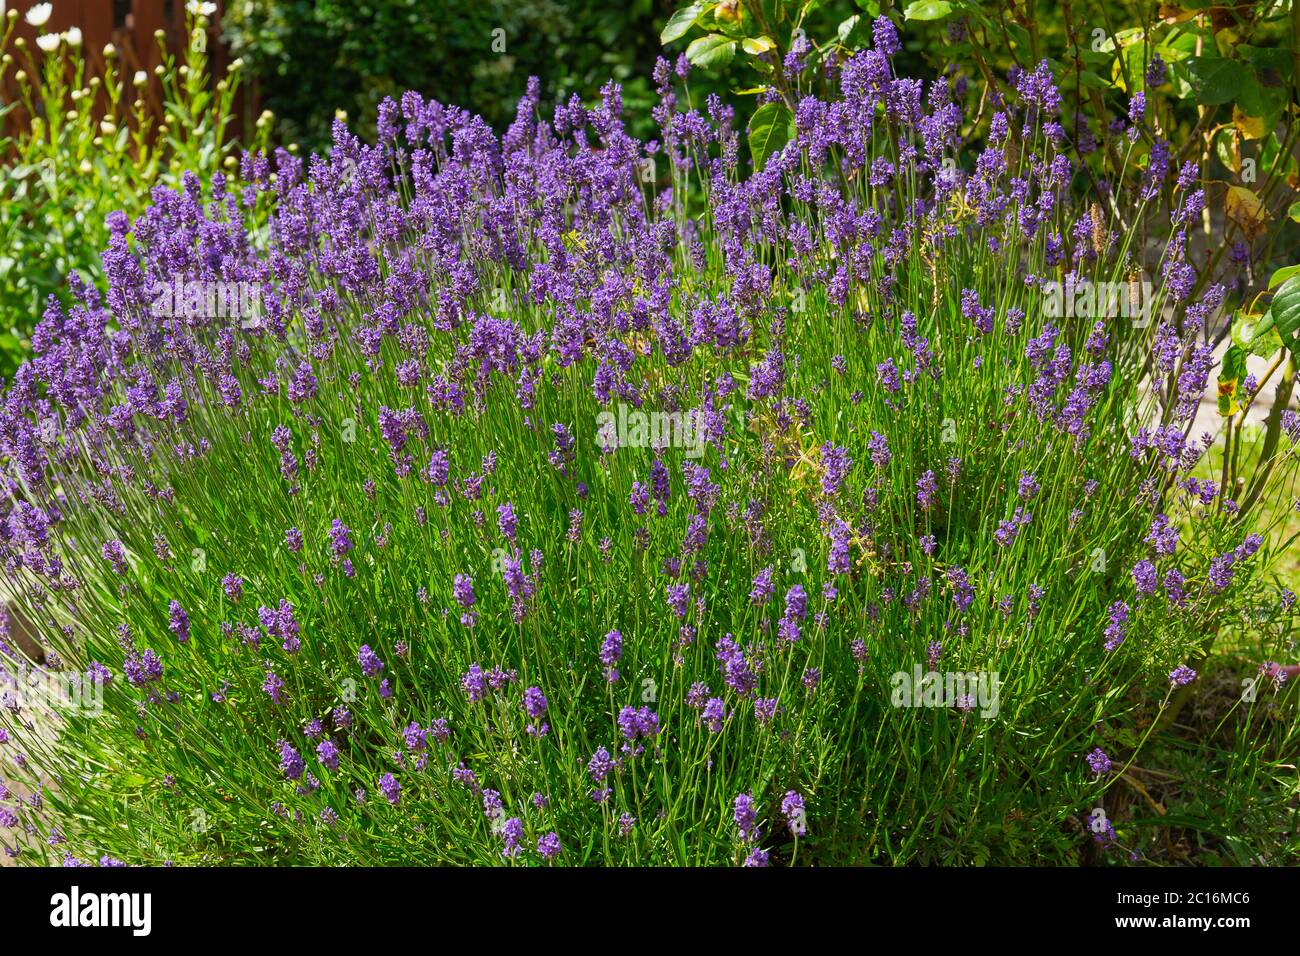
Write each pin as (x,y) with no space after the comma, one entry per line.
(711,52)
(1285,312)
(1217,80)
(1294,212)
(681,22)
(1256,99)
(1019,35)
(855,32)
(770,128)
(756,45)
(1255,335)
(1089,78)
(1230,375)
(1274,160)
(1272,64)
(1281,275)
(927,10)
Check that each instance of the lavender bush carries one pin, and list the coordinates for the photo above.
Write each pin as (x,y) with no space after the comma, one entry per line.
(568,499)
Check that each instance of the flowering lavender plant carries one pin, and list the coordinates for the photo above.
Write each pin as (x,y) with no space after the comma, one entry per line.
(490,637)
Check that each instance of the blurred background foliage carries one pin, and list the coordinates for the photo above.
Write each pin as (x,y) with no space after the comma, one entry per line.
(312,57)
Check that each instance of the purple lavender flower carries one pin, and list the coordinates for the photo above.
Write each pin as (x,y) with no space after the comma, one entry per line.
(492,806)
(678,595)
(371,665)
(793,808)
(1221,571)
(1156,73)
(796,603)
(548,847)
(1117,629)
(1163,537)
(507,521)
(178,622)
(1145,577)
(926,487)
(963,592)
(836,462)
(290,761)
(746,817)
(328,753)
(391,789)
(340,538)
(462,590)
(611,652)
(274,688)
(714,714)
(1099,762)
(887,373)
(512,832)
(534,702)
(884,36)
(415,737)
(600,765)
(880,453)
(115,554)
(628,724)
(233,585)
(474,683)
(98,674)
(1028,486)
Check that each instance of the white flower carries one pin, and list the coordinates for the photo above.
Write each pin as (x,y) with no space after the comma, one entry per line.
(73,36)
(49,42)
(201,9)
(39,15)
(140,78)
